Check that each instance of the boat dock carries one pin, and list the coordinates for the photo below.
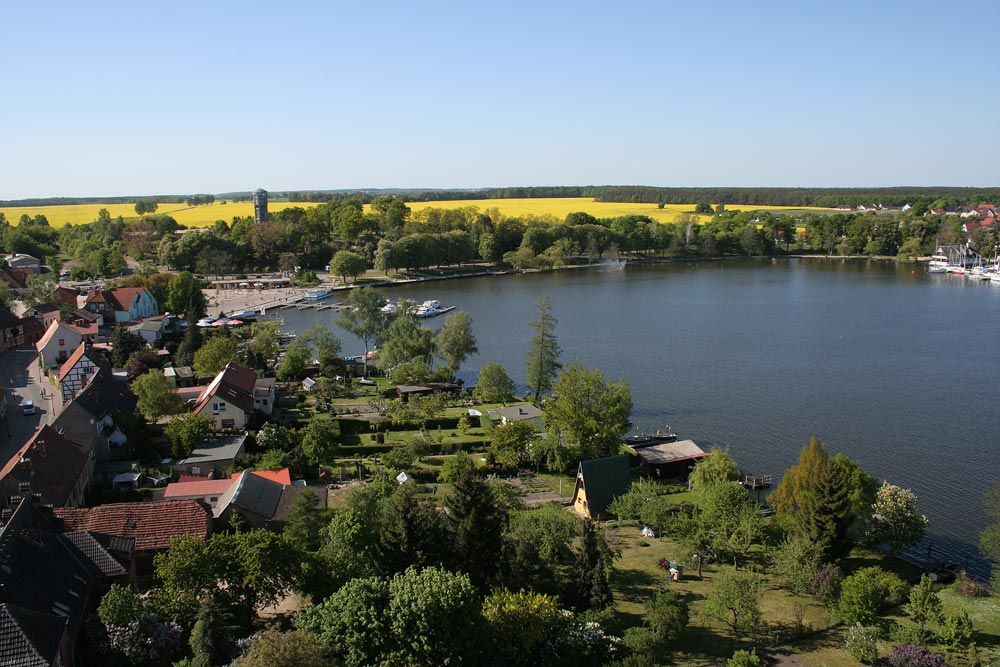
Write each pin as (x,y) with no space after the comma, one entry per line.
(755,482)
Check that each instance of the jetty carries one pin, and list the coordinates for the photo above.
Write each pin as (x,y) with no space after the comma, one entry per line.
(755,482)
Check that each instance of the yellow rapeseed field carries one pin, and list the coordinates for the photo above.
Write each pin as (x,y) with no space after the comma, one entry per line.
(190,216)
(560,207)
(205,216)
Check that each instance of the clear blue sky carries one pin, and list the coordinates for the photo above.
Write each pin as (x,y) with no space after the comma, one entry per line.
(116,98)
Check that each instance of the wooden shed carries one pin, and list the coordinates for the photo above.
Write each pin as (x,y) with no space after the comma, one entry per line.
(669,460)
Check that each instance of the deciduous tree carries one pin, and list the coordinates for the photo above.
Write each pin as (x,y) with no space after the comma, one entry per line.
(454,342)
(895,520)
(214,354)
(493,385)
(364,318)
(156,396)
(735,600)
(187,432)
(347,264)
(590,413)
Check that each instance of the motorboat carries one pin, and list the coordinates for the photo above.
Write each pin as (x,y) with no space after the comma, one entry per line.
(248,314)
(389,308)
(317,293)
(429,308)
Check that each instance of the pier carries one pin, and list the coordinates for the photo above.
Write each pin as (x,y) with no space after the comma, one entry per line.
(755,482)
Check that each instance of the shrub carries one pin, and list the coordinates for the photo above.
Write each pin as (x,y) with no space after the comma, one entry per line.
(863,593)
(862,643)
(796,564)
(908,655)
(667,615)
(744,659)
(970,588)
(956,630)
(825,584)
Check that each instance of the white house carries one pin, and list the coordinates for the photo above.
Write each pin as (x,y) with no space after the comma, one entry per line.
(123,304)
(59,341)
(229,398)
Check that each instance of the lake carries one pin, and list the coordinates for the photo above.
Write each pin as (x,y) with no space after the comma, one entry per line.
(892,366)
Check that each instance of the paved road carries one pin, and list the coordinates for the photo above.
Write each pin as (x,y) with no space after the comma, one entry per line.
(19,376)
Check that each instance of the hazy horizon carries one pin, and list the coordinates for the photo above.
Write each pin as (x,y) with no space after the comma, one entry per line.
(186,97)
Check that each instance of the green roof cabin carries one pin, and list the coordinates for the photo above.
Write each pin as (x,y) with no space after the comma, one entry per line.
(598,482)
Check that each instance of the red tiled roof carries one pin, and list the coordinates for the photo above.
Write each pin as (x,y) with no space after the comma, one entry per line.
(280,476)
(73,360)
(184,479)
(150,524)
(124,296)
(90,330)
(234,384)
(206,487)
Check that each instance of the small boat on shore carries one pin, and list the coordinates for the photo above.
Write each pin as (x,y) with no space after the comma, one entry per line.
(247,314)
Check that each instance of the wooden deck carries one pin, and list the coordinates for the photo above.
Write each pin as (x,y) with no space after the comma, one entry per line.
(754,482)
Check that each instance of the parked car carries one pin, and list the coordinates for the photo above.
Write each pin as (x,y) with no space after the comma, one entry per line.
(28,407)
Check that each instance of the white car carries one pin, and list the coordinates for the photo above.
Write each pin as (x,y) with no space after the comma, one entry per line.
(28,407)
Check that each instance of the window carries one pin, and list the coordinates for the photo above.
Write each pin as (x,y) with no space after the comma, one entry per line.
(228,423)
(213,499)
(195,470)
(62,342)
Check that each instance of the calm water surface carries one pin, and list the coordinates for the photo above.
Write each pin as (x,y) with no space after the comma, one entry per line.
(885,363)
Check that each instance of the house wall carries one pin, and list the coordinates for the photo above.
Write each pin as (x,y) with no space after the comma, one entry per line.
(580,499)
(229,418)
(77,378)
(55,353)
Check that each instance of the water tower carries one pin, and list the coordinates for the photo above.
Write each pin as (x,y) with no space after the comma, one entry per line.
(260,206)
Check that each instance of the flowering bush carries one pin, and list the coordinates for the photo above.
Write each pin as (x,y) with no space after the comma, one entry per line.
(825,584)
(909,655)
(145,640)
(894,518)
(862,643)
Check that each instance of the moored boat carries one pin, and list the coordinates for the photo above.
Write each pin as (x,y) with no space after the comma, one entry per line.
(317,293)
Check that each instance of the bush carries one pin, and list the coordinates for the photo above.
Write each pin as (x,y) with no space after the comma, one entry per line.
(862,643)
(970,588)
(825,584)
(744,659)
(863,594)
(908,655)
(956,630)
(667,615)
(796,564)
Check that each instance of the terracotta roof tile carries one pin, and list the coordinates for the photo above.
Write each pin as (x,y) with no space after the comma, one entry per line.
(150,524)
(206,487)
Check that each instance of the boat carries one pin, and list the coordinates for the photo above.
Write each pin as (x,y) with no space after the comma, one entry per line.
(429,308)
(938,264)
(206,321)
(248,314)
(389,308)
(317,293)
